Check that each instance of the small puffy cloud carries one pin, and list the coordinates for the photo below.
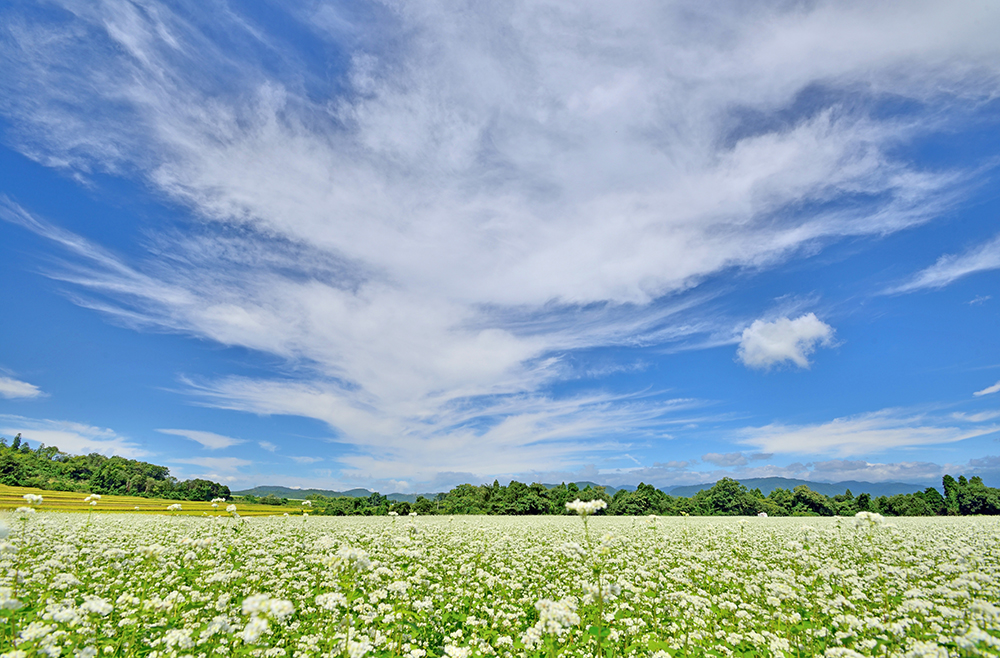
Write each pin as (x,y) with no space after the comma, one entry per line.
(858,435)
(267,445)
(209,440)
(11,388)
(767,344)
(728,459)
(70,437)
(988,390)
(306,459)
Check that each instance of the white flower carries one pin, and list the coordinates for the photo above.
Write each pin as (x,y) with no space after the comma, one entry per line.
(556,616)
(33,499)
(453,651)
(392,513)
(4,529)
(331,601)
(256,627)
(176,507)
(307,503)
(357,649)
(868,519)
(263,604)
(7,600)
(586,508)
(96,605)
(24,511)
(230,508)
(762,515)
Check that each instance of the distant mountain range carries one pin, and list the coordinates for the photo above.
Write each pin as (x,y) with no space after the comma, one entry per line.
(766,486)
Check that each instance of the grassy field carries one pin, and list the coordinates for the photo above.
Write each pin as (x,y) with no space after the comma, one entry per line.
(72,501)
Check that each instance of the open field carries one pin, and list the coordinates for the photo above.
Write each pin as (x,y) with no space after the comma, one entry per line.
(72,501)
(138,585)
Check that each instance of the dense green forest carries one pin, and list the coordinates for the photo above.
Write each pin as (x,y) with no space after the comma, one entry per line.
(46,467)
(726,498)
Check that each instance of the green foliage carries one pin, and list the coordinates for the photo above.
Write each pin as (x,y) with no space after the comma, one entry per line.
(50,468)
(727,497)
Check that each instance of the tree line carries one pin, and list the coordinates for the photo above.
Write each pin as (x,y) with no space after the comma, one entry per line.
(46,467)
(727,497)
(49,468)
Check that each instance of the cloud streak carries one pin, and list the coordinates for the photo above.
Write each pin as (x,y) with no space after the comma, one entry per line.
(11,388)
(864,434)
(71,437)
(208,440)
(951,267)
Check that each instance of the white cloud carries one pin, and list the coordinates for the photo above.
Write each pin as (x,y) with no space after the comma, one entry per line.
(952,267)
(220,464)
(864,434)
(267,445)
(727,459)
(216,469)
(988,390)
(209,440)
(11,388)
(305,459)
(979,417)
(70,437)
(766,344)
(492,188)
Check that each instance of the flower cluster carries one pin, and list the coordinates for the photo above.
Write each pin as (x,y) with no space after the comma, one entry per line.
(495,587)
(586,508)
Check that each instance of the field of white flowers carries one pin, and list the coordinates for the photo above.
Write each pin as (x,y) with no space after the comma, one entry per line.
(424,587)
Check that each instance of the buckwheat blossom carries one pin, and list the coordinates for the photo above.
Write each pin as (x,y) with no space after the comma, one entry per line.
(265,605)
(4,529)
(253,630)
(33,499)
(453,651)
(331,601)
(868,519)
(586,508)
(359,585)
(176,507)
(7,600)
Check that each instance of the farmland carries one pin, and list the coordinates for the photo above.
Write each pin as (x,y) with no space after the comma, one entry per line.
(423,587)
(71,501)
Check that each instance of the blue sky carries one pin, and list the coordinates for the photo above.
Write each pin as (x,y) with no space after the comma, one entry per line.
(404,247)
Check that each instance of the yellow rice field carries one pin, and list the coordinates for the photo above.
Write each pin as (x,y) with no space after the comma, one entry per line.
(72,501)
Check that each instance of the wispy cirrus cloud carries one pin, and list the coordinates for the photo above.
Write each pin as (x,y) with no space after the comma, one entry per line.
(480,192)
(71,437)
(11,388)
(208,440)
(988,390)
(864,434)
(951,267)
